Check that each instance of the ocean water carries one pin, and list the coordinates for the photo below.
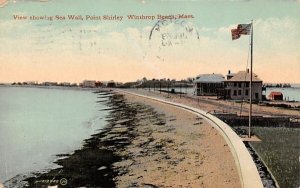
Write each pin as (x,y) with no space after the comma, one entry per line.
(289,94)
(36,124)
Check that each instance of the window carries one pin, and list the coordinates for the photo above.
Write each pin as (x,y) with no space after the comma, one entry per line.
(240,85)
(247,84)
(234,92)
(234,84)
(246,92)
(240,92)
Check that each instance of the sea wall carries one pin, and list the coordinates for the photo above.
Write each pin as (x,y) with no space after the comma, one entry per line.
(248,173)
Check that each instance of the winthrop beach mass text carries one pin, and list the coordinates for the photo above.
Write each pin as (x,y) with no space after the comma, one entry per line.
(112,17)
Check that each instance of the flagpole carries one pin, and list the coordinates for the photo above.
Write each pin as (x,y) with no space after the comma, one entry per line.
(251,68)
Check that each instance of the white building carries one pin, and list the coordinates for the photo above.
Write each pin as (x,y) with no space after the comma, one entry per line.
(237,87)
(65,84)
(89,83)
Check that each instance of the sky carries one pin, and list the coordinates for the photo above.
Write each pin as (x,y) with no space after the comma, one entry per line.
(58,49)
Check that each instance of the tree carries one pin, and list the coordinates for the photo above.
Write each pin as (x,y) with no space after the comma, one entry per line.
(144,79)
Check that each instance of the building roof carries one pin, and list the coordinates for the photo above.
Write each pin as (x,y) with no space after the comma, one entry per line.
(275,93)
(243,76)
(230,74)
(210,78)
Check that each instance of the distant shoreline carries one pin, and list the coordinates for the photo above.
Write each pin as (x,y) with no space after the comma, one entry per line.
(59,87)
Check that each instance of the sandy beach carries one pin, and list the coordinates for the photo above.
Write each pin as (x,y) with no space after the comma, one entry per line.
(184,152)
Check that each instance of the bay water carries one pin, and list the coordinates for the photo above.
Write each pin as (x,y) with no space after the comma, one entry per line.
(36,124)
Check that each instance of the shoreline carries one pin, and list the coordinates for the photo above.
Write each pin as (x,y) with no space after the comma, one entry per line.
(147,144)
(92,164)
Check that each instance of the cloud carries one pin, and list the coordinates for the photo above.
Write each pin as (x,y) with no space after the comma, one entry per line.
(279,35)
(271,34)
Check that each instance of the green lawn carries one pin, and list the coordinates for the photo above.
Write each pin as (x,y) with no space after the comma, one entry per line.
(280,150)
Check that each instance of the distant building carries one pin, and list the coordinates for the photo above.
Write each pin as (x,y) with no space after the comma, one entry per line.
(49,84)
(30,83)
(275,96)
(88,83)
(237,87)
(65,84)
(209,84)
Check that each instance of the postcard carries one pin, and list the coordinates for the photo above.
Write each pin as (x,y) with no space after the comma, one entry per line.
(149,93)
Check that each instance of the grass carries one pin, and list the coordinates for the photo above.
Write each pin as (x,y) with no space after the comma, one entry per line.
(280,150)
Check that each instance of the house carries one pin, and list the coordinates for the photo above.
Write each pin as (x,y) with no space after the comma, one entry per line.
(88,83)
(30,83)
(49,84)
(237,87)
(275,96)
(65,84)
(209,84)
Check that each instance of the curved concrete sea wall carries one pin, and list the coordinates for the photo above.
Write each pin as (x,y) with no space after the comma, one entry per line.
(247,170)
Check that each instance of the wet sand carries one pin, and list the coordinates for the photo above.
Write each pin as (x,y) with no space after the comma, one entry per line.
(146,144)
